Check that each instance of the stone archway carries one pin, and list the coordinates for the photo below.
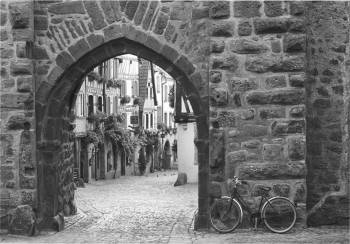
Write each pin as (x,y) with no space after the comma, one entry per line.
(53,137)
(257,86)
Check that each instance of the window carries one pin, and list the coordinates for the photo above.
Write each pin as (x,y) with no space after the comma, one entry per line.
(90,104)
(151,123)
(99,104)
(115,104)
(137,88)
(109,161)
(165,93)
(158,85)
(108,105)
(147,121)
(123,89)
(166,119)
(83,104)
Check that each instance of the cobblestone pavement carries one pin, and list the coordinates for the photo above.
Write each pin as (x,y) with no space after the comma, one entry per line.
(148,209)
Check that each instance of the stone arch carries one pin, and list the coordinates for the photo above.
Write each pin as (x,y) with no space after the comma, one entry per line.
(54,98)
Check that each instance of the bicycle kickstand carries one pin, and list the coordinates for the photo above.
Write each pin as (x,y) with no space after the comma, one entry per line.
(256,223)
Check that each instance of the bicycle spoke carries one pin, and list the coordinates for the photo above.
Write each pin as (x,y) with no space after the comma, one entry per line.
(279,215)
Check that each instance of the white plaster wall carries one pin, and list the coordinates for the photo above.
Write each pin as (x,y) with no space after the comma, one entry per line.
(186,151)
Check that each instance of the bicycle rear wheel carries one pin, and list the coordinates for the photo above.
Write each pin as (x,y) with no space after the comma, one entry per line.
(279,214)
(225,214)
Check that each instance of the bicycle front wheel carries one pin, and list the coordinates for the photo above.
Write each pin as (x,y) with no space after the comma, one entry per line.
(279,214)
(225,214)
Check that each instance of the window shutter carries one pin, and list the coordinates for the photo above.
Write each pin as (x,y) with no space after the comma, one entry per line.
(123,88)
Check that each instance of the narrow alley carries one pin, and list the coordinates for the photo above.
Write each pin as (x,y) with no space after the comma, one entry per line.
(127,210)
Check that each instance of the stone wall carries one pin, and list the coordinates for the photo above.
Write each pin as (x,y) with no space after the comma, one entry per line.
(257,97)
(72,37)
(18,166)
(327,115)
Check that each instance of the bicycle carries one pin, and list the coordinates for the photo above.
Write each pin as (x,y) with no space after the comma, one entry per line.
(277,213)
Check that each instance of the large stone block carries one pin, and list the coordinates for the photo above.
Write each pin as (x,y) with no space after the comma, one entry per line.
(287,127)
(294,43)
(27,182)
(22,220)
(246,9)
(74,7)
(215,76)
(140,13)
(21,68)
(217,46)
(219,9)
(264,171)
(268,26)
(276,81)
(297,80)
(15,101)
(3,18)
(247,46)
(149,15)
(244,28)
(297,8)
(64,60)
(39,53)
(222,28)
(130,9)
(272,152)
(200,13)
(20,14)
(161,23)
(225,119)
(251,130)
(260,64)
(273,8)
(271,113)
(218,96)
(300,192)
(6,53)
(112,32)
(236,157)
(95,14)
(296,148)
(289,64)
(7,84)
(242,85)
(277,97)
(228,63)
(282,190)
(297,112)
(251,144)
(3,35)
(111,11)
(7,173)
(16,122)
(40,22)
(79,49)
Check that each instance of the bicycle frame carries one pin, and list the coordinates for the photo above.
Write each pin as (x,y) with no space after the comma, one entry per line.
(244,205)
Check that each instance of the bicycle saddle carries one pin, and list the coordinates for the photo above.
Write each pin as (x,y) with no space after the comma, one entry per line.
(265,188)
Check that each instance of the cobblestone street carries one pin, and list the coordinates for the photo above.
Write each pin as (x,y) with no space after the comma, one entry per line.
(148,209)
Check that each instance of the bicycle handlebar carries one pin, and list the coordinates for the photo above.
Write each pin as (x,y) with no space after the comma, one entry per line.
(238,181)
